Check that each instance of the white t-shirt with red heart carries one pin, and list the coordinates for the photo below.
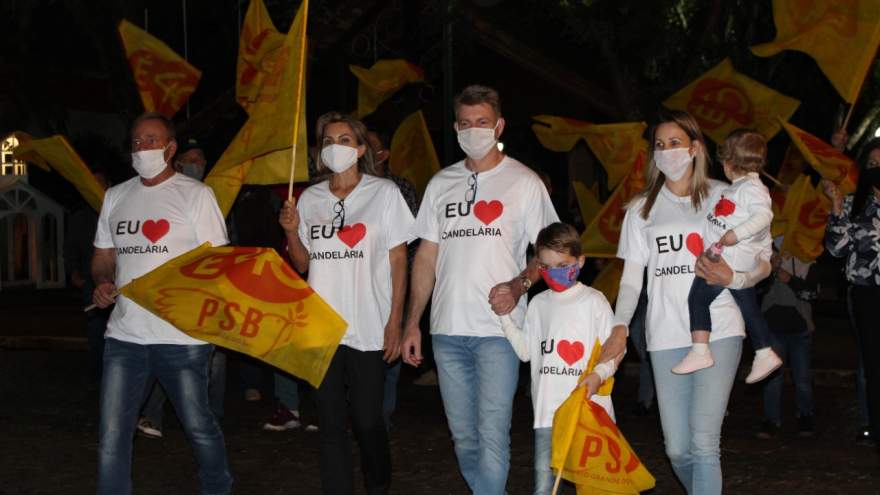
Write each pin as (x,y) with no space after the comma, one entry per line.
(349,267)
(147,226)
(480,243)
(731,207)
(668,244)
(561,329)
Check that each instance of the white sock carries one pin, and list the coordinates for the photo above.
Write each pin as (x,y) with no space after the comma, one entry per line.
(760,353)
(700,348)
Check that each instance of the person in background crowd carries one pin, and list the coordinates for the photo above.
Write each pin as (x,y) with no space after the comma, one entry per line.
(190,160)
(789,315)
(853,232)
(349,232)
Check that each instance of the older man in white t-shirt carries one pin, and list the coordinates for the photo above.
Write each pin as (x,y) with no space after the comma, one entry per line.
(477,218)
(145,222)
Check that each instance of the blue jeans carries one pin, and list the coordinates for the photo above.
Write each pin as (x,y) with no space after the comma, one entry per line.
(154,406)
(692,411)
(478,377)
(392,376)
(701,296)
(544,476)
(183,372)
(640,343)
(796,351)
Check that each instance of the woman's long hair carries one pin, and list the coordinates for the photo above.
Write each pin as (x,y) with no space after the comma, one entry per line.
(655,178)
(863,188)
(365,163)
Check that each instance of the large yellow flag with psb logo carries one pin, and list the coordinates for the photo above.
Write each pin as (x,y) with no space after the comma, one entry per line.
(602,234)
(57,153)
(261,151)
(382,80)
(806,211)
(413,156)
(589,450)
(841,35)
(830,162)
(248,300)
(723,100)
(615,145)
(258,49)
(164,79)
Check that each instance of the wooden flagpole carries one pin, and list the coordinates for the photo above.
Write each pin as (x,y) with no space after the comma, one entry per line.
(299,90)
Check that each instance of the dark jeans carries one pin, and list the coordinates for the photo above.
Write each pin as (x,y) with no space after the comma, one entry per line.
(183,372)
(701,297)
(154,404)
(353,387)
(864,302)
(796,351)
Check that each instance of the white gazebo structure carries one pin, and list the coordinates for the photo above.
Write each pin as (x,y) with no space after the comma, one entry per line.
(31,237)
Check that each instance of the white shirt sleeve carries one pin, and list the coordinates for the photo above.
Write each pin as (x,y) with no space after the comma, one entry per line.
(398,219)
(628,296)
(426,225)
(745,280)
(103,236)
(516,336)
(209,223)
(303,229)
(758,204)
(633,244)
(538,210)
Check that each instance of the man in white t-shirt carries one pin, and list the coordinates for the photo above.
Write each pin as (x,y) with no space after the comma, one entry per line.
(145,222)
(477,218)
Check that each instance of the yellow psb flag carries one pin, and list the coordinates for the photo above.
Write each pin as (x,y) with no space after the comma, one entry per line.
(413,156)
(615,145)
(164,79)
(248,300)
(57,153)
(379,82)
(830,162)
(791,169)
(723,100)
(608,280)
(841,35)
(588,201)
(588,448)
(261,151)
(258,51)
(806,209)
(602,234)
(792,165)
(780,214)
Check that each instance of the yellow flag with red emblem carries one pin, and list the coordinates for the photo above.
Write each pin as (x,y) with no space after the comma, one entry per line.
(261,151)
(259,48)
(780,215)
(806,210)
(723,100)
(588,448)
(164,79)
(413,156)
(588,200)
(792,165)
(841,35)
(382,80)
(608,280)
(246,299)
(57,153)
(615,145)
(830,162)
(600,238)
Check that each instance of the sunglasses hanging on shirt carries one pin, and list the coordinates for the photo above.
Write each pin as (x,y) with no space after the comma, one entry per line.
(339,215)
(471,194)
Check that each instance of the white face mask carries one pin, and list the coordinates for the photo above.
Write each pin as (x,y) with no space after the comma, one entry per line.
(338,157)
(193,170)
(673,163)
(477,142)
(149,163)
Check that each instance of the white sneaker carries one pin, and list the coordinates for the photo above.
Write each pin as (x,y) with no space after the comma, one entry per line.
(146,428)
(763,365)
(694,362)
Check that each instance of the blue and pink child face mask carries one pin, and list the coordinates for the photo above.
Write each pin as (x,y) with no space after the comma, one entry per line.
(561,278)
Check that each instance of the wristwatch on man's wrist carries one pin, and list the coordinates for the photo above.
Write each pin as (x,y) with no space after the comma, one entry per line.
(526,282)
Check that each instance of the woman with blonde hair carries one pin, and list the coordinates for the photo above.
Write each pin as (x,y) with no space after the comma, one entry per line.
(349,232)
(662,232)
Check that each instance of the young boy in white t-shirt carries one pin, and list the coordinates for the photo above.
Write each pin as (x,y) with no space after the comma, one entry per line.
(738,230)
(561,326)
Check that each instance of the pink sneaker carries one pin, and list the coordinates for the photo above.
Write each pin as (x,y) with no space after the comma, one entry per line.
(694,362)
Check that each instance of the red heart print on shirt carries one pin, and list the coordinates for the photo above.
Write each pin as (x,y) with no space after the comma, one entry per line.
(488,212)
(352,234)
(570,352)
(694,243)
(724,207)
(155,229)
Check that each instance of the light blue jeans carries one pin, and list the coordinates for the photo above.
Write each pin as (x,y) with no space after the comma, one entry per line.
(692,409)
(182,370)
(478,377)
(544,477)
